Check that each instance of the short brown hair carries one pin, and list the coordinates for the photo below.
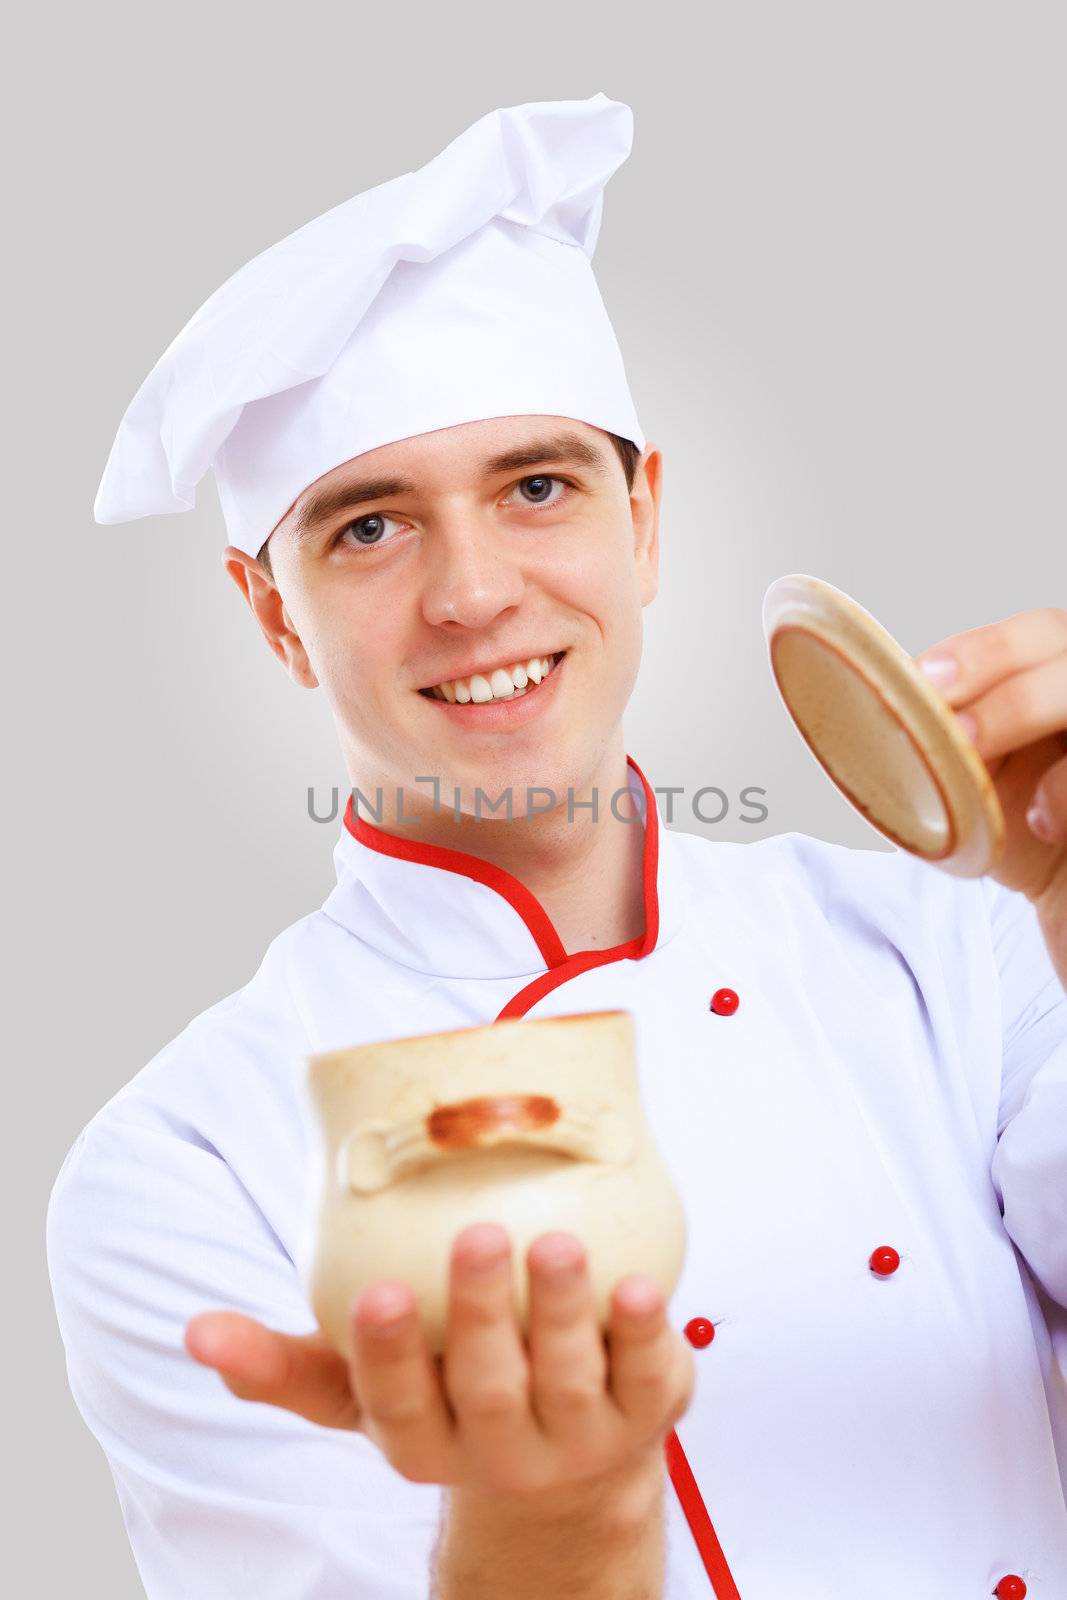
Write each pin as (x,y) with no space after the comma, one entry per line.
(626,450)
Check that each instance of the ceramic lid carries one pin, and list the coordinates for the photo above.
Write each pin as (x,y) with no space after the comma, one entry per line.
(891,743)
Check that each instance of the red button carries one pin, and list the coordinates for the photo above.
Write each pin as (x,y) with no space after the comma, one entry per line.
(724,1002)
(1010,1588)
(699,1331)
(884,1261)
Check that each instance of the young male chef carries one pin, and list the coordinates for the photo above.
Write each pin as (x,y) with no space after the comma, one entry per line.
(444,514)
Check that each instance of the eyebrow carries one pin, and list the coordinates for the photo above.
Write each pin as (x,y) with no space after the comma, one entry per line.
(326,503)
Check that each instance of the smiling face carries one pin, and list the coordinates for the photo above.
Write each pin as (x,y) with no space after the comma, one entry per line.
(485,545)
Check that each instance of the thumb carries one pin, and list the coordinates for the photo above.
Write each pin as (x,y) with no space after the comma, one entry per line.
(297,1372)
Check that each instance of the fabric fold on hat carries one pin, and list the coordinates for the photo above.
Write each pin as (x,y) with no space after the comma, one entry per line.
(457,292)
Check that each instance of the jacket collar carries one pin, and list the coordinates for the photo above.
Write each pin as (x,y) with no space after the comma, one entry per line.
(454,915)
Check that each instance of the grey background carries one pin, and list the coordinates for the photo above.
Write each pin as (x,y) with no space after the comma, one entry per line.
(836,265)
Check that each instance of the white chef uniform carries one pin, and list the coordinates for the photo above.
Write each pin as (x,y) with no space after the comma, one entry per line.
(871,1148)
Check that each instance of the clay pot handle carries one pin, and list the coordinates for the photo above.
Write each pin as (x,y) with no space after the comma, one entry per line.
(377,1152)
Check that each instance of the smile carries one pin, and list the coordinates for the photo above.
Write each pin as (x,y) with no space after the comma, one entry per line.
(502,683)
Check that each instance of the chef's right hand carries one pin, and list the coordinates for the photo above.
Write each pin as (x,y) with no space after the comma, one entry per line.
(494,1412)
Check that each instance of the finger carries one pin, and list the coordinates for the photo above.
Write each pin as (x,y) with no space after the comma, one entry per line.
(1019,710)
(984,656)
(300,1373)
(486,1372)
(568,1360)
(396,1378)
(1047,816)
(651,1371)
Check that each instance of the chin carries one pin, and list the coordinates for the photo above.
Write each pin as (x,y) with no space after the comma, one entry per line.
(549,768)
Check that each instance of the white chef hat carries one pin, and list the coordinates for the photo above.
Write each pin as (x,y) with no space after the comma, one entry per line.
(461,291)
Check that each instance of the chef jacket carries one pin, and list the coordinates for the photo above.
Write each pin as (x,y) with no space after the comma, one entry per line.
(855,1067)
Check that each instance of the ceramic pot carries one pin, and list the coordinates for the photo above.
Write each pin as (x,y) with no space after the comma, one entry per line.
(535,1123)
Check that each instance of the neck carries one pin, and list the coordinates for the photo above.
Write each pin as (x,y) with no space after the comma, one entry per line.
(586,872)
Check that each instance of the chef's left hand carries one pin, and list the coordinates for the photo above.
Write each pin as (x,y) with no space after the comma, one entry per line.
(1009,687)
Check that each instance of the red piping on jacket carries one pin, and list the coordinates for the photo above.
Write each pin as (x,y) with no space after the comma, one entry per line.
(562,967)
(526,904)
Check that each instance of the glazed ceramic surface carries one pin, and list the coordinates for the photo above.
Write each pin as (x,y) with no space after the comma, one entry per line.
(533,1123)
(889,741)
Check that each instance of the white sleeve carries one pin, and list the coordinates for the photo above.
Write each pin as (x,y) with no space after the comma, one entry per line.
(221,1497)
(1029,1165)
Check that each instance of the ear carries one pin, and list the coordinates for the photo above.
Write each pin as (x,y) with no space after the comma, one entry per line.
(263,595)
(644,509)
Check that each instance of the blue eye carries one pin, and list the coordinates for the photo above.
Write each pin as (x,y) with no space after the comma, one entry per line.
(540,483)
(368,529)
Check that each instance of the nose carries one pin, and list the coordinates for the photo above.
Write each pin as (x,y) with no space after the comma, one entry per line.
(471,576)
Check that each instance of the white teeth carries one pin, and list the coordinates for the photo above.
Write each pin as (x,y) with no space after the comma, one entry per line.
(503,683)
